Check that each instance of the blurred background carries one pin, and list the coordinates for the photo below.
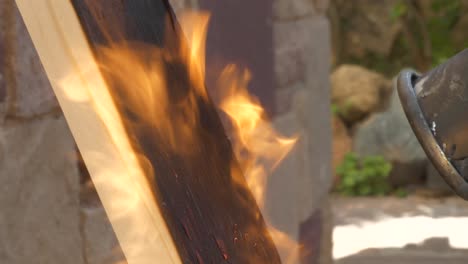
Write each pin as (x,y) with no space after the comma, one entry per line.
(390,204)
(357,188)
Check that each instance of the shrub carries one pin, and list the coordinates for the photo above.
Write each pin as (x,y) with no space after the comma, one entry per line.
(364,177)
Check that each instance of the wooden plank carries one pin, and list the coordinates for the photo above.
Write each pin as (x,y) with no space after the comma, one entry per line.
(84,97)
(198,208)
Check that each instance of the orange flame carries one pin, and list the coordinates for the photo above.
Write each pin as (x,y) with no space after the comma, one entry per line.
(258,148)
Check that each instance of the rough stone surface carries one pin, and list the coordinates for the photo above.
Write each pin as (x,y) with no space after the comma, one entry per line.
(357,91)
(435,182)
(39,194)
(342,145)
(33,93)
(284,97)
(101,245)
(389,134)
(292,9)
(291,39)
(5,9)
(284,186)
(326,244)
(321,6)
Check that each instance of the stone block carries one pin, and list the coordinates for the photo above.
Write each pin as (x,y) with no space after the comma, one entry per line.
(33,93)
(295,45)
(5,8)
(435,182)
(290,40)
(39,193)
(298,188)
(321,6)
(292,9)
(100,242)
(284,97)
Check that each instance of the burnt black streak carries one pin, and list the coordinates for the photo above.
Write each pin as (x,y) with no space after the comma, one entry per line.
(212,218)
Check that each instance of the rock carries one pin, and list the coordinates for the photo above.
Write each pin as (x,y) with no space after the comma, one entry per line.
(101,243)
(292,9)
(298,54)
(366,26)
(290,40)
(357,91)
(297,190)
(389,134)
(39,193)
(5,9)
(435,182)
(342,144)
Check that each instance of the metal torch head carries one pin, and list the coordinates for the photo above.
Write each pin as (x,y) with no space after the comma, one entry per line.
(436,105)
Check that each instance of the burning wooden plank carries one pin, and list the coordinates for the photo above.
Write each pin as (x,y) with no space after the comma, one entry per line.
(149,134)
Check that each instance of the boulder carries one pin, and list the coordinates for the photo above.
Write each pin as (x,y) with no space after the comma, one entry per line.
(357,92)
(389,134)
(342,144)
(435,182)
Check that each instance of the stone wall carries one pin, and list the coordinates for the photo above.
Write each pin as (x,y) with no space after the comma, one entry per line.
(302,55)
(39,179)
(50,213)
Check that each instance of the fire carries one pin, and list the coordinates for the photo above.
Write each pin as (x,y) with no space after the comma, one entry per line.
(257,146)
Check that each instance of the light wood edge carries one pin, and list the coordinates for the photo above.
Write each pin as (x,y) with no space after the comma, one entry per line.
(85,100)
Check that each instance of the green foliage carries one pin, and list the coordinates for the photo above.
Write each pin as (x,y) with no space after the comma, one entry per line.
(341,110)
(447,14)
(439,25)
(335,109)
(364,177)
(398,10)
(427,37)
(401,193)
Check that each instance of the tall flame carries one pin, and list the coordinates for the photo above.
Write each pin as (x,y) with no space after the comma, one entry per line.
(257,146)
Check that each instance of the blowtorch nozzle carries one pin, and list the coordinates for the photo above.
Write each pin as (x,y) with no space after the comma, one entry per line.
(436,105)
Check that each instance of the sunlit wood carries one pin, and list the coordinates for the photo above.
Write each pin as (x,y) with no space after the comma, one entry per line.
(132,88)
(85,99)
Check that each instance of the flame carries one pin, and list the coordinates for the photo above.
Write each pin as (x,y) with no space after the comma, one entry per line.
(257,146)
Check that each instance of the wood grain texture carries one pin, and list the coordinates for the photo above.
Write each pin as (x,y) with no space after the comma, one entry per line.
(212,217)
(83,95)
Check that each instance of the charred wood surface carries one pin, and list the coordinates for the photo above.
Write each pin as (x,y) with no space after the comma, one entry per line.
(208,208)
